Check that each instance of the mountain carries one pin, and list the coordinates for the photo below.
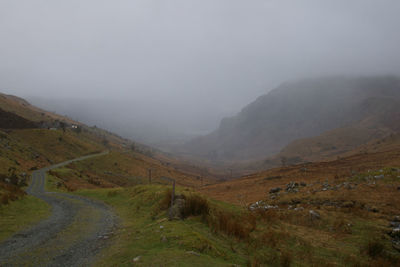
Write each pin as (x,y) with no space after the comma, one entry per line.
(344,111)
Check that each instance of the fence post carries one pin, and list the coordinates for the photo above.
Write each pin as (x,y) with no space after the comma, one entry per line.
(149,176)
(172,199)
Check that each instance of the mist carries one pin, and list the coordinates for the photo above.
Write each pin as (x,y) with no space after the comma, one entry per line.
(155,70)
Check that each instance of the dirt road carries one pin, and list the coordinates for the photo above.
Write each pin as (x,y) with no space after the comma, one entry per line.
(73,235)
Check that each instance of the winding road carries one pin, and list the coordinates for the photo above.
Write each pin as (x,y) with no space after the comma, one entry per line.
(74,234)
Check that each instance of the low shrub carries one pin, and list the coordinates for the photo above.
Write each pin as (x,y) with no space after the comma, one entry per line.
(286,259)
(165,201)
(374,248)
(4,199)
(196,205)
(112,193)
(237,225)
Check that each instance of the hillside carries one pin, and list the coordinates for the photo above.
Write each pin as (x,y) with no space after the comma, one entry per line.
(326,204)
(375,155)
(31,138)
(344,111)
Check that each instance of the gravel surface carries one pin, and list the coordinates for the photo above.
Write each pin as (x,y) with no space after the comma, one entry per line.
(73,235)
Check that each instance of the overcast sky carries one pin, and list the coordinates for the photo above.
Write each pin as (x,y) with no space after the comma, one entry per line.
(193,61)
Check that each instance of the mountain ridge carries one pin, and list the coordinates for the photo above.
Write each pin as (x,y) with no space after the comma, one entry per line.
(296,110)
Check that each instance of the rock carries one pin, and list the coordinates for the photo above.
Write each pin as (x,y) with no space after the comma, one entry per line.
(275,190)
(395,233)
(292,187)
(299,209)
(379,176)
(164,239)
(348,204)
(161,227)
(137,259)
(394,224)
(314,215)
(373,209)
(268,207)
(177,209)
(396,245)
(193,253)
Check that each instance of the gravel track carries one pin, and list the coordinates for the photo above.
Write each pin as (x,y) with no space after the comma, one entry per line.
(74,234)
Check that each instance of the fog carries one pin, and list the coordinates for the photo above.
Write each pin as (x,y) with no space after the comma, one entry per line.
(153,70)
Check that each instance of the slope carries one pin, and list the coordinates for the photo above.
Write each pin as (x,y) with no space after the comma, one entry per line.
(302,109)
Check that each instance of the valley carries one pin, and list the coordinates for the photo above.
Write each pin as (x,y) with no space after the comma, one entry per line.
(78,195)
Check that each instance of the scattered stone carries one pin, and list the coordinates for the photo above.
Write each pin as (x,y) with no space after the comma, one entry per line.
(261,205)
(379,176)
(275,190)
(137,259)
(161,227)
(164,239)
(314,215)
(299,209)
(267,207)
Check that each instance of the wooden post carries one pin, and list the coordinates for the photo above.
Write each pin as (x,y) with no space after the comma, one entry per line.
(172,198)
(149,176)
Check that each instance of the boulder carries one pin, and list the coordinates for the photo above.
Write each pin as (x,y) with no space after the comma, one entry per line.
(314,215)
(275,190)
(176,211)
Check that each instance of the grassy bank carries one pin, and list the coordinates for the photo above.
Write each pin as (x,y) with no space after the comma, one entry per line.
(20,214)
(146,233)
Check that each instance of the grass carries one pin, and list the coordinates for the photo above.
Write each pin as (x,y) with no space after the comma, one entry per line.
(146,232)
(220,234)
(20,214)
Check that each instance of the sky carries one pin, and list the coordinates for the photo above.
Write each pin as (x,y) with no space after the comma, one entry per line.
(180,66)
